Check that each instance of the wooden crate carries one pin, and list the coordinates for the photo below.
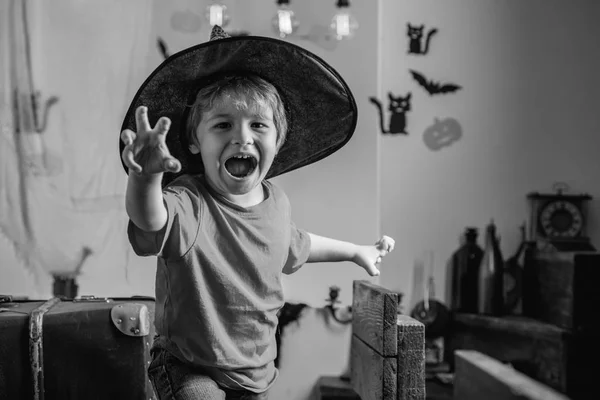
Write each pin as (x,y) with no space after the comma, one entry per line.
(481,377)
(549,354)
(560,288)
(387,359)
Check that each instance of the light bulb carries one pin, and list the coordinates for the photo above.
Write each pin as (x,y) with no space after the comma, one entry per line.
(343,25)
(217,14)
(284,22)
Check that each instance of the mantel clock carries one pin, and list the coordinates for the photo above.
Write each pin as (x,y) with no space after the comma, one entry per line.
(558,220)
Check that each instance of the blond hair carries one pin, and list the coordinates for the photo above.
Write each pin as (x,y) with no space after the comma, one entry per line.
(246,91)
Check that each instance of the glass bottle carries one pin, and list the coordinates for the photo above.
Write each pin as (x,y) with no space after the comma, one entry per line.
(491,276)
(465,271)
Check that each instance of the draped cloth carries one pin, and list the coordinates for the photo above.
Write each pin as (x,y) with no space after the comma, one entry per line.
(68,70)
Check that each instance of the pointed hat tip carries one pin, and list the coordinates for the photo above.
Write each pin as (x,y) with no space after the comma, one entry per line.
(218,33)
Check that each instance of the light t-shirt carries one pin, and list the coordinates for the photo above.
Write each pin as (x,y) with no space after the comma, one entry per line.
(218,279)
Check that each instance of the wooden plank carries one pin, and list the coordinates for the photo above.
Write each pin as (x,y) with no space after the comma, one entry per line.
(478,376)
(411,358)
(374,315)
(535,348)
(552,355)
(512,324)
(373,377)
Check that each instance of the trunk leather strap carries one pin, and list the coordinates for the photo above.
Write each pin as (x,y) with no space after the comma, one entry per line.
(36,350)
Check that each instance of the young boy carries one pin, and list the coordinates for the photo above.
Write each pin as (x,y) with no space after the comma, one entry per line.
(224,235)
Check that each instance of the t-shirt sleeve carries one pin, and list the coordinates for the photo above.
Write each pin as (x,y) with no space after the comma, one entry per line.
(180,231)
(299,250)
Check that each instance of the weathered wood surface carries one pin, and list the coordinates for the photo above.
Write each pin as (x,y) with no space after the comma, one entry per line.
(411,358)
(374,316)
(534,348)
(479,376)
(554,356)
(561,288)
(512,325)
(373,376)
(387,349)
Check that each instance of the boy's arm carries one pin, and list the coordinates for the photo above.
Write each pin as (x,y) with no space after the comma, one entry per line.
(324,249)
(147,157)
(144,202)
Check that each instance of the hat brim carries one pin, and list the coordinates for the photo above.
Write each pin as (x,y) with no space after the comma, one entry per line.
(321,109)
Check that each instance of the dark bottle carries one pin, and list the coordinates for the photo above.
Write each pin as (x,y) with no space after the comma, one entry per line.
(491,276)
(465,271)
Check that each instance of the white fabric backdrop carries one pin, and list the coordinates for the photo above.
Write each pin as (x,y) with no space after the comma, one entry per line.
(61,190)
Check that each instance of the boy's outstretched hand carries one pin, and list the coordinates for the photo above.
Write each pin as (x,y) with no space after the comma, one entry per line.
(145,151)
(369,257)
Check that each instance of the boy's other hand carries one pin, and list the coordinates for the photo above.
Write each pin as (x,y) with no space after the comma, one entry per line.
(369,257)
(145,151)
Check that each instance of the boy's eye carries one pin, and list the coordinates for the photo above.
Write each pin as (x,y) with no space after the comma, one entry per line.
(222,125)
(259,125)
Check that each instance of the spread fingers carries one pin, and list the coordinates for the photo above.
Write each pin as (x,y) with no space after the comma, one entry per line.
(141,119)
(163,125)
(128,136)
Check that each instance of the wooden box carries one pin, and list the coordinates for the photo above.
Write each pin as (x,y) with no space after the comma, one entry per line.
(549,354)
(387,357)
(482,377)
(561,288)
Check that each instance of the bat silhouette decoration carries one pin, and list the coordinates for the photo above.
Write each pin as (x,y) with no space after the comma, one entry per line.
(433,87)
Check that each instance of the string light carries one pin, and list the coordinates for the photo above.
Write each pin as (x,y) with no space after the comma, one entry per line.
(284,21)
(343,25)
(217,14)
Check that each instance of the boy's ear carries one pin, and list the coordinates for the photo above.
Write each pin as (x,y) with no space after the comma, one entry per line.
(194,149)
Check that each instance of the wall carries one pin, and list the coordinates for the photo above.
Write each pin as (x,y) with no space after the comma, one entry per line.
(94,57)
(528,111)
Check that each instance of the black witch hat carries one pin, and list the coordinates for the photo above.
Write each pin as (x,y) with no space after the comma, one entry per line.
(320,107)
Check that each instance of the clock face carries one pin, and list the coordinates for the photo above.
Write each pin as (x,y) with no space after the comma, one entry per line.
(561,219)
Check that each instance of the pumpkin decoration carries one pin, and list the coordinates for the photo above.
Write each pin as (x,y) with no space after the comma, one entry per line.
(442,133)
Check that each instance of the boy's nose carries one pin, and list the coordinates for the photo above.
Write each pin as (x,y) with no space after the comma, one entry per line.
(242,136)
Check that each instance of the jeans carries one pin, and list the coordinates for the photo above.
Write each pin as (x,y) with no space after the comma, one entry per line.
(175,380)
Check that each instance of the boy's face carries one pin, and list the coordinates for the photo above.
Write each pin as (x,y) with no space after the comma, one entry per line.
(237,145)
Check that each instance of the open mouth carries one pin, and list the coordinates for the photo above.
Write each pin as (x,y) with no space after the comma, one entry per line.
(241,165)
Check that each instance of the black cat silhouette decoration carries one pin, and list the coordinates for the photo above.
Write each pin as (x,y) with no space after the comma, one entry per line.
(433,87)
(399,106)
(418,42)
